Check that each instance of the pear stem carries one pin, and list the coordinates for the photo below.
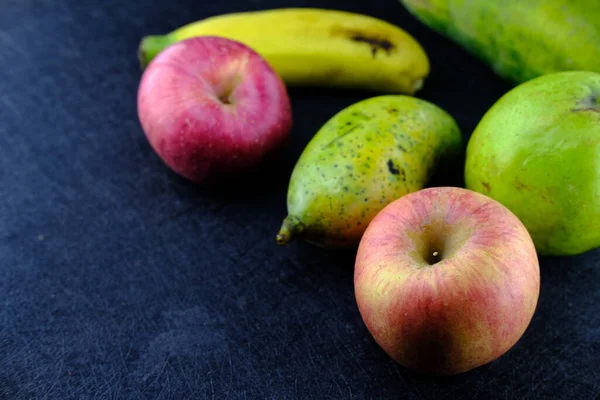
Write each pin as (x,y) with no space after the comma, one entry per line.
(290,227)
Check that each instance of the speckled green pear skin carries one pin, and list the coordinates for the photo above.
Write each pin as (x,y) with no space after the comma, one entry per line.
(519,39)
(537,151)
(364,157)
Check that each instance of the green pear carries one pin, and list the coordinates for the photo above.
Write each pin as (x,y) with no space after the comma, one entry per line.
(519,39)
(367,155)
(537,151)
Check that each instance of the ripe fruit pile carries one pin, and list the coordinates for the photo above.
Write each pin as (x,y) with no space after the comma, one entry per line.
(446,278)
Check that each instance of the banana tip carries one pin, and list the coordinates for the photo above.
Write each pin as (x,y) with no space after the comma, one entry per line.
(141,56)
(150,46)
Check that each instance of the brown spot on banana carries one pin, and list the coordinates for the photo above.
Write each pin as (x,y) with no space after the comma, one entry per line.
(376,42)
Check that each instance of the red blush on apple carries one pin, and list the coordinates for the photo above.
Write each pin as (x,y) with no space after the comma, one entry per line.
(446,280)
(212,107)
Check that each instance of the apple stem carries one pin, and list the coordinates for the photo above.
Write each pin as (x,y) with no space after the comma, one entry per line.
(289,228)
(435,258)
(150,46)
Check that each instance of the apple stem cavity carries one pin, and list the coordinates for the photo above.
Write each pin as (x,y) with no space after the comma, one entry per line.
(432,245)
(226,91)
(290,227)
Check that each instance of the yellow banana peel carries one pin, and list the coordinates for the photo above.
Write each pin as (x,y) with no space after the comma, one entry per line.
(316,47)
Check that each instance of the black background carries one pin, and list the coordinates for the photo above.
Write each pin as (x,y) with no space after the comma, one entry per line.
(120,280)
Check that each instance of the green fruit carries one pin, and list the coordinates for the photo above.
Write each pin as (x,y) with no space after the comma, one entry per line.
(519,39)
(537,151)
(363,158)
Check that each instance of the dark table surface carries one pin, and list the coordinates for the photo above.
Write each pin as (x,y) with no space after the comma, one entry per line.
(120,280)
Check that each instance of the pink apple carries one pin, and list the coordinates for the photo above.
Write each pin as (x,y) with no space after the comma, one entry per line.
(446,280)
(212,107)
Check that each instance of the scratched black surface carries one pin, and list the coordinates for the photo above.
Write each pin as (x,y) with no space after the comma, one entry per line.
(121,281)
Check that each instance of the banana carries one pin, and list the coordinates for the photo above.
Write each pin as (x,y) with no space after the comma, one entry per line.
(315,47)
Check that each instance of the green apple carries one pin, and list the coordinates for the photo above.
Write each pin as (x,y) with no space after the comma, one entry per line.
(537,151)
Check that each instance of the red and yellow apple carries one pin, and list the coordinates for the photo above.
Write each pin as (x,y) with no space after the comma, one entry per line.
(446,280)
(212,107)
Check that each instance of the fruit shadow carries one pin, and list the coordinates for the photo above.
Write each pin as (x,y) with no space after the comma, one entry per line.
(568,295)
(449,172)
(271,176)
(329,269)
